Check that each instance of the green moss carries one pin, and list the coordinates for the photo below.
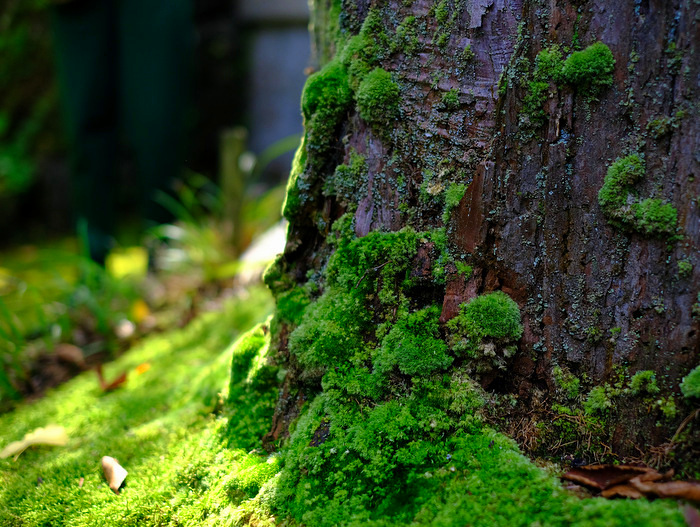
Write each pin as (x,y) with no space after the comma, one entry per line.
(326,99)
(533,104)
(253,387)
(273,276)
(548,67)
(650,216)
(330,331)
(159,425)
(591,69)
(326,90)
(467,54)
(252,474)
(568,383)
(659,127)
(644,382)
(594,334)
(486,330)
(414,345)
(442,39)
(293,197)
(685,268)
(395,463)
(654,217)
(668,407)
(332,328)
(406,38)
(493,315)
(598,401)
(359,55)
(439,268)
(450,99)
(464,270)
(441,12)
(378,262)
(690,386)
(621,175)
(453,195)
(291,305)
(378,97)
(347,179)
(362,53)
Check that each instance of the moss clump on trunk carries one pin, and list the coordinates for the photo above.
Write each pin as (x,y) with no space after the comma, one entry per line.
(691,384)
(590,69)
(378,97)
(650,216)
(486,330)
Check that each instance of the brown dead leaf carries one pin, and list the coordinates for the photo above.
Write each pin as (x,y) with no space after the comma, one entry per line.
(112,385)
(684,490)
(114,473)
(621,491)
(53,435)
(142,368)
(80,482)
(631,481)
(605,476)
(71,354)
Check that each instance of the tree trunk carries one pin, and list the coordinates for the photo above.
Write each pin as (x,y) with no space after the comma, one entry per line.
(515,102)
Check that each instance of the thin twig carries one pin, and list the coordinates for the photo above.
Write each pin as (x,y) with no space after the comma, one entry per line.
(684,423)
(367,271)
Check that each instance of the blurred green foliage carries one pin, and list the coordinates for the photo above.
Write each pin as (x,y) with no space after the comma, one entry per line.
(28,117)
(46,294)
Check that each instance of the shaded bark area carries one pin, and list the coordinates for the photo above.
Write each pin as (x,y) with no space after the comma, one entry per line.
(597,301)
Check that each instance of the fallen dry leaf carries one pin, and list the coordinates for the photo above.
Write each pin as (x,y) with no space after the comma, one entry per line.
(71,354)
(142,368)
(684,490)
(602,477)
(114,473)
(622,491)
(80,482)
(53,435)
(629,481)
(112,385)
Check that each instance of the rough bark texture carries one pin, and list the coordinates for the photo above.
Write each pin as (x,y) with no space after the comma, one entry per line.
(597,301)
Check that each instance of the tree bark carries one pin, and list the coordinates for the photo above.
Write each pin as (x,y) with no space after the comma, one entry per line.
(602,298)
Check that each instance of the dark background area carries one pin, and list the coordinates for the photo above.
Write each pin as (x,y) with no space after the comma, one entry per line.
(249,67)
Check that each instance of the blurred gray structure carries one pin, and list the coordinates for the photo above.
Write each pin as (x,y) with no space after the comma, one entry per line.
(279,49)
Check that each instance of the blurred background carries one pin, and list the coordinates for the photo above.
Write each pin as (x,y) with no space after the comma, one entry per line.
(243,123)
(249,62)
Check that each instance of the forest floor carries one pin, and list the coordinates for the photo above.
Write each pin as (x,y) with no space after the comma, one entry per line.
(172,425)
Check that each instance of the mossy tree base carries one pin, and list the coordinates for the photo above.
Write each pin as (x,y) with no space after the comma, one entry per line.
(498,147)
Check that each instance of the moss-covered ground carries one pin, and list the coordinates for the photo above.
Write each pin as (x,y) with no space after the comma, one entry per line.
(187,429)
(164,426)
